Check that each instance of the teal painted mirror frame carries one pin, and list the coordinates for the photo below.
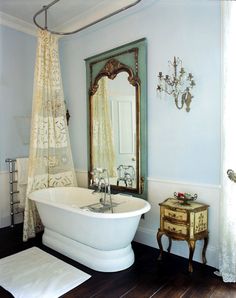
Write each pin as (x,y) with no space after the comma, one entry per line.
(132,58)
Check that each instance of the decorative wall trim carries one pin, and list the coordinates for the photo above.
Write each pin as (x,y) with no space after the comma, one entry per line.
(17,24)
(157,180)
(215,186)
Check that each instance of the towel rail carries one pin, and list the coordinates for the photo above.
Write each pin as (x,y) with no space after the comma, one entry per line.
(12,182)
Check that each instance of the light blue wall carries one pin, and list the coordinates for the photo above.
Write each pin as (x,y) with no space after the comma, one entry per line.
(181,146)
(17,58)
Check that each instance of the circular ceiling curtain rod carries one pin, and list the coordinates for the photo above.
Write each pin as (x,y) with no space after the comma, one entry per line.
(46,7)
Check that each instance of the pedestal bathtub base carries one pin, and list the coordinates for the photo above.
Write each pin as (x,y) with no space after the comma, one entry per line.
(99,260)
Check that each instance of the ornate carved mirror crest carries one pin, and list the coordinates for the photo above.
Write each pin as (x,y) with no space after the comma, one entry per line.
(111,70)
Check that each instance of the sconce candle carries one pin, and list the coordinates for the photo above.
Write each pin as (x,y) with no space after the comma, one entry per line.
(177,85)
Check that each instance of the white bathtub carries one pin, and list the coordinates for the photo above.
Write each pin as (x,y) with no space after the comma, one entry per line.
(101,241)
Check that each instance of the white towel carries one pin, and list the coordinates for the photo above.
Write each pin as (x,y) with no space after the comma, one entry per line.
(22,168)
(22,179)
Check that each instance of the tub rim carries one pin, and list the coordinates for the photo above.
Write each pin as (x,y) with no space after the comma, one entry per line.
(84,212)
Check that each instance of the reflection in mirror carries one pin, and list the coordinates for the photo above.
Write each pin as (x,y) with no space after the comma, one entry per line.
(115,124)
(114,129)
(103,154)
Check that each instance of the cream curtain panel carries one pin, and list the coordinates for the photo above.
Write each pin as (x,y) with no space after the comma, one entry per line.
(50,159)
(227,261)
(103,143)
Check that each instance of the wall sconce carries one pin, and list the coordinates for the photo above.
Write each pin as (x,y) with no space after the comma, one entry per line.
(177,84)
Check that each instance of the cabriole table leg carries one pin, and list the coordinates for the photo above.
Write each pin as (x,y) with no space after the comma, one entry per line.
(159,235)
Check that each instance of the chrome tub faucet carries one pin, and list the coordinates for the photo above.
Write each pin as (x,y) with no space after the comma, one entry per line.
(102,183)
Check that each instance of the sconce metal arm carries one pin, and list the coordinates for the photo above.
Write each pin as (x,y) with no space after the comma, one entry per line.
(177,85)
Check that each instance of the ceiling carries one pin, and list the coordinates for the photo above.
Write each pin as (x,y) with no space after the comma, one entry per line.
(65,15)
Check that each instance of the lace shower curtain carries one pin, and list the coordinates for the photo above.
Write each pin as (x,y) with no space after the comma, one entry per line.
(50,159)
(103,144)
(227,261)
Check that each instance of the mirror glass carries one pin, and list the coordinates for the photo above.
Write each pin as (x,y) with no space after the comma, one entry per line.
(121,100)
(116,82)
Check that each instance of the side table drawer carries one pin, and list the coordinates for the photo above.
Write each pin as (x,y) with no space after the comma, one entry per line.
(174,228)
(175,214)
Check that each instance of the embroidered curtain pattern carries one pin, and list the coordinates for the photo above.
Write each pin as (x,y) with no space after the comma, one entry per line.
(227,260)
(103,143)
(50,159)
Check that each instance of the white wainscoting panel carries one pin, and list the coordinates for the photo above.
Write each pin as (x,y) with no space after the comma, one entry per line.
(158,191)
(82,178)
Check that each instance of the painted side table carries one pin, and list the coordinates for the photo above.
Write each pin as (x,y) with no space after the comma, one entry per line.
(183,222)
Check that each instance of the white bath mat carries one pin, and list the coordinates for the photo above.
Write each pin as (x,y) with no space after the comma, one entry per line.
(34,273)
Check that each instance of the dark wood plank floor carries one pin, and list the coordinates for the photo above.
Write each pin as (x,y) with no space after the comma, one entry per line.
(146,278)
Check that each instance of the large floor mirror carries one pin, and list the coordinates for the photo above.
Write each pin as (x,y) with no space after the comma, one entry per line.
(116,83)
